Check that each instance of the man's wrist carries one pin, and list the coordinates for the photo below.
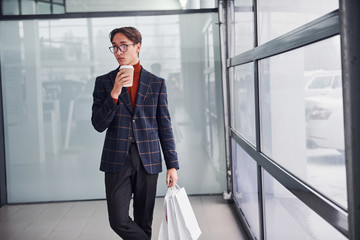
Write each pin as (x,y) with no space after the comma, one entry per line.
(114,95)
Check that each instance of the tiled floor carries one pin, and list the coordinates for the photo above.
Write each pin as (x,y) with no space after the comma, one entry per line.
(88,220)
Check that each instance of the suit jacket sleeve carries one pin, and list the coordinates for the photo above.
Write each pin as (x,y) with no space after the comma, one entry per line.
(165,130)
(103,108)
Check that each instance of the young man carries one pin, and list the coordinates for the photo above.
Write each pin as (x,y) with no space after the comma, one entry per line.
(136,120)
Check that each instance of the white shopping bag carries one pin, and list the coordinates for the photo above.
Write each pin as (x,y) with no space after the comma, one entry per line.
(168,228)
(179,222)
(188,226)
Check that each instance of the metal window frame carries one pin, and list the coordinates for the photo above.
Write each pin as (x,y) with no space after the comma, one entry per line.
(319,29)
(105,14)
(50,2)
(350,51)
(3,187)
(316,30)
(328,210)
(223,8)
(257,127)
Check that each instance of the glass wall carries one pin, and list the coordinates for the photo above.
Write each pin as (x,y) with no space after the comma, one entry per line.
(286,217)
(286,118)
(245,187)
(304,100)
(277,17)
(243,25)
(30,7)
(243,101)
(128,5)
(48,72)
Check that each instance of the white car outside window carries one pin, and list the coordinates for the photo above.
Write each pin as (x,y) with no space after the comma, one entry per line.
(324,111)
(327,83)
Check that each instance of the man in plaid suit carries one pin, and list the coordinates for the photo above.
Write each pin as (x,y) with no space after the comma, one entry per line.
(137,121)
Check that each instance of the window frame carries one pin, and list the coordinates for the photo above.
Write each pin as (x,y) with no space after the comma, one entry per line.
(319,29)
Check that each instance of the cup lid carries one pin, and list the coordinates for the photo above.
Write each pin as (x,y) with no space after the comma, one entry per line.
(126,66)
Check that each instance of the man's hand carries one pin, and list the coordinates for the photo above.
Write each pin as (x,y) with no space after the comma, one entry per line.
(171,177)
(122,78)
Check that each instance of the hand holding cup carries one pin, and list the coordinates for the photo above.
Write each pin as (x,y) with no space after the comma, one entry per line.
(124,78)
(128,71)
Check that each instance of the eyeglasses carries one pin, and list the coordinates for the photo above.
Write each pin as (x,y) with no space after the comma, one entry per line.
(122,48)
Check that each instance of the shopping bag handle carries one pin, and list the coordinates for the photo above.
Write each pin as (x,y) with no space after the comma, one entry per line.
(175,187)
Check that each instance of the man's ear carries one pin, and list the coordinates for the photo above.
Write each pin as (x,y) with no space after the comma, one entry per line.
(138,47)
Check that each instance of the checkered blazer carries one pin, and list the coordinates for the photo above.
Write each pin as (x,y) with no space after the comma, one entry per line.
(149,123)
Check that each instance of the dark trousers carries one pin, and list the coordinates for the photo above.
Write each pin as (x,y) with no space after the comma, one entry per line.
(132,179)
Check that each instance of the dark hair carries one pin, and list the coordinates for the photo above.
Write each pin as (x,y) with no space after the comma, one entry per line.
(130,32)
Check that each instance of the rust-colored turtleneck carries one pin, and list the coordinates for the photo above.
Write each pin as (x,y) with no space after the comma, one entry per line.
(134,88)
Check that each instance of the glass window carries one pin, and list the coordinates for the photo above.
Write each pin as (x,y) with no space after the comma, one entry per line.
(243,101)
(286,217)
(212,90)
(28,7)
(245,186)
(58,9)
(10,7)
(43,8)
(303,128)
(143,5)
(243,3)
(279,17)
(242,38)
(48,72)
(209,41)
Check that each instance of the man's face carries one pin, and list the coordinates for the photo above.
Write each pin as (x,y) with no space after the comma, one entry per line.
(130,57)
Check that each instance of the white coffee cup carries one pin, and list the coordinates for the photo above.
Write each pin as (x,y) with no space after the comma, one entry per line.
(128,69)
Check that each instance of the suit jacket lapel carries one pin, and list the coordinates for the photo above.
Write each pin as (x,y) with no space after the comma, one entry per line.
(144,84)
(125,98)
